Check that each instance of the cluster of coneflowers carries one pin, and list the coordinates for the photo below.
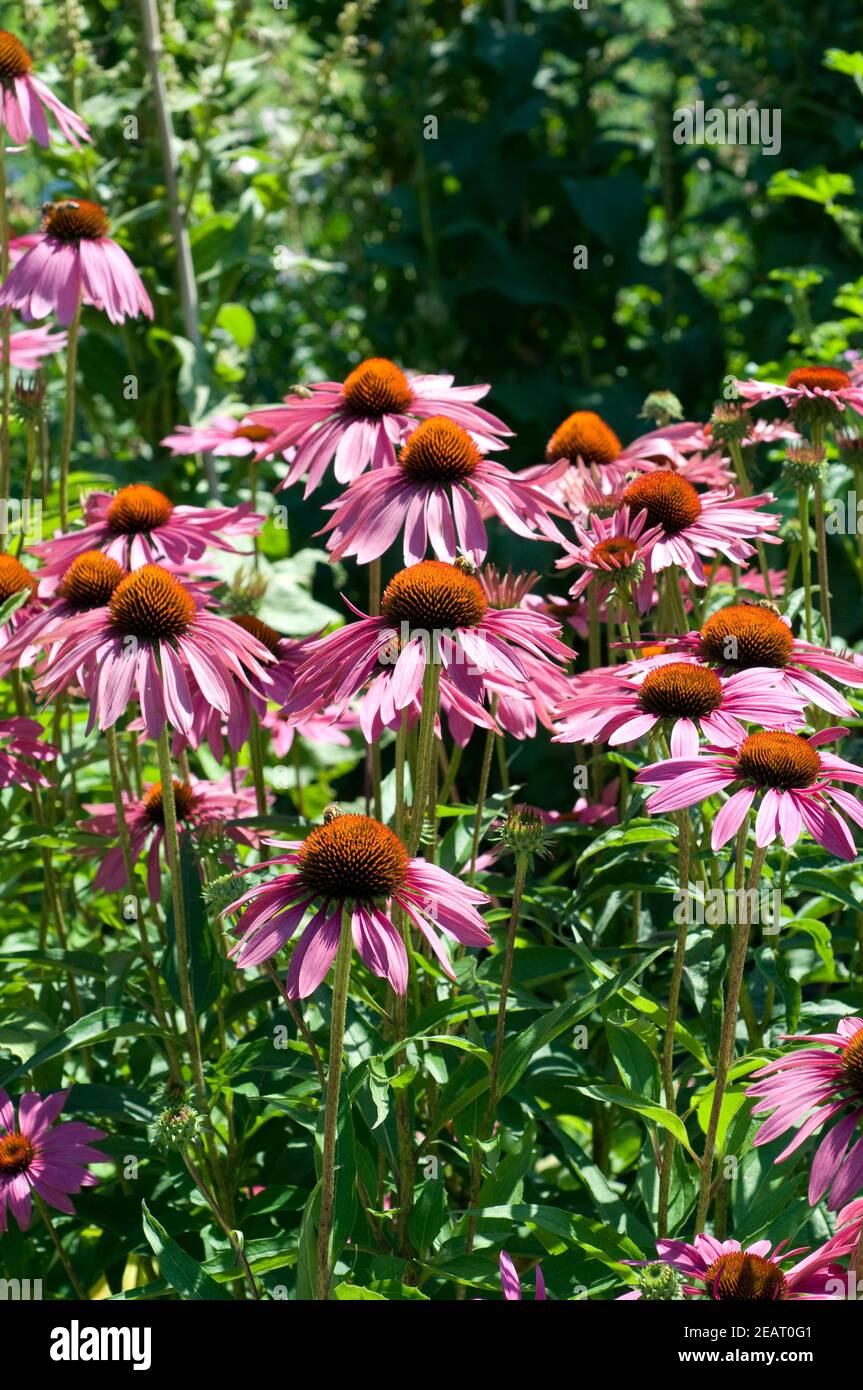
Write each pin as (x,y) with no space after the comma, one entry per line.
(123,612)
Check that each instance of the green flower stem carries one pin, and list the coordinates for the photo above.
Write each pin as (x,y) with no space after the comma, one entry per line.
(69,418)
(425,754)
(208,1197)
(482,792)
(736,967)
(114,764)
(684,834)
(805,557)
(736,452)
(823,571)
(172,844)
(522,861)
(5,325)
(341,982)
(253,493)
(257,757)
(58,1246)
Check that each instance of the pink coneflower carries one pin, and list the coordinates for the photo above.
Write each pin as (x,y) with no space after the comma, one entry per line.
(692,524)
(814,1085)
(745,635)
(813,394)
(210,725)
(21,747)
(353,863)
(29,346)
(511,1283)
(610,551)
(75,261)
(199,804)
(16,580)
(749,581)
(34,1157)
(141,526)
(685,448)
(603,812)
(222,435)
(360,420)
(157,641)
(434,495)
(722,1270)
(683,698)
(26,102)
(88,583)
(328,727)
(793,778)
(431,610)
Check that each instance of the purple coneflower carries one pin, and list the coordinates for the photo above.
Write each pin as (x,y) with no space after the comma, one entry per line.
(29,346)
(353,863)
(723,1271)
(610,551)
(26,102)
(511,1283)
(434,495)
(226,436)
(745,635)
(199,804)
(157,641)
(138,525)
(814,394)
(34,1157)
(360,420)
(88,583)
(692,524)
(816,1085)
(682,697)
(21,750)
(792,777)
(430,611)
(74,261)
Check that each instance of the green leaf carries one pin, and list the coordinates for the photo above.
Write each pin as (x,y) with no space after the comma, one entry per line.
(100,1026)
(641,1105)
(428,1214)
(206,958)
(236,320)
(182,1272)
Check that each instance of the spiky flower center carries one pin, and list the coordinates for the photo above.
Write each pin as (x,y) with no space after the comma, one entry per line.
(90,580)
(617,551)
(434,597)
(670,501)
(439,451)
(506,590)
(257,433)
(377,387)
(745,635)
(14,578)
(15,61)
(822,378)
(184,800)
(261,631)
(137,509)
(744,1277)
(74,220)
(681,691)
(152,605)
(584,435)
(16,1154)
(353,857)
(778,760)
(852,1063)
